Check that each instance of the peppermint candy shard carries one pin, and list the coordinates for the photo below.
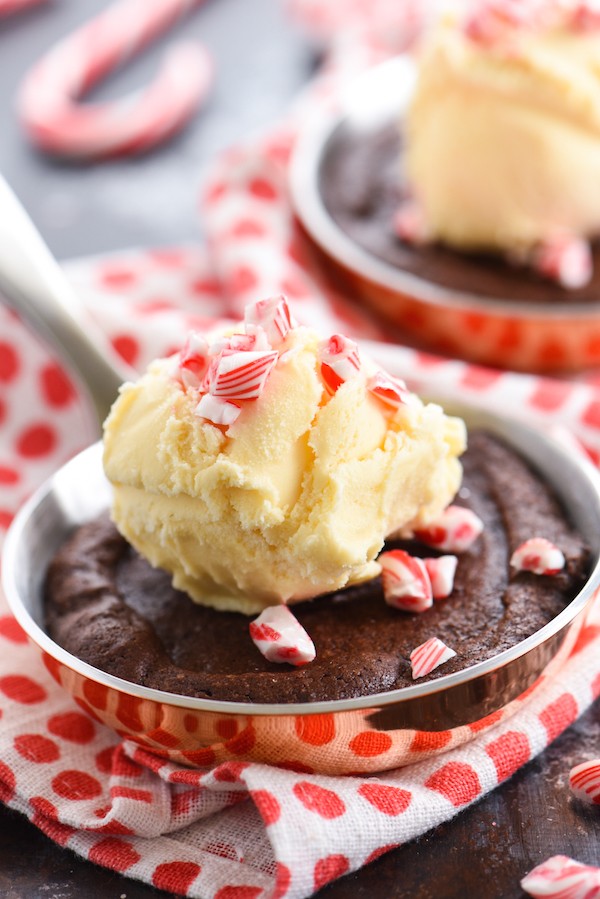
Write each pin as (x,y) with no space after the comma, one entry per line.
(409,224)
(273,316)
(280,637)
(391,391)
(566,260)
(584,781)
(562,877)
(441,573)
(539,556)
(454,531)
(428,656)
(193,360)
(406,583)
(242,375)
(217,410)
(339,360)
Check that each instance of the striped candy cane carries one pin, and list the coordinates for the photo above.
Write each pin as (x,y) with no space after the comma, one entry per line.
(48,99)
(9,6)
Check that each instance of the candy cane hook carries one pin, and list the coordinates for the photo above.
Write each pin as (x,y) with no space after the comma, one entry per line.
(48,100)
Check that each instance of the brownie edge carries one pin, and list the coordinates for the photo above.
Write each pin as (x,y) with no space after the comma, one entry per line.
(109,607)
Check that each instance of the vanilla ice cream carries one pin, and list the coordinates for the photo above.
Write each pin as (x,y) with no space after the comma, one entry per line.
(503,134)
(253,495)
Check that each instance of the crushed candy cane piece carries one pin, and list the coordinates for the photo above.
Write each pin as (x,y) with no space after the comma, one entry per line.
(339,360)
(539,556)
(491,21)
(406,584)
(586,16)
(409,224)
(429,655)
(454,531)
(441,573)
(280,637)
(390,390)
(217,410)
(584,781)
(273,316)
(193,360)
(566,260)
(564,878)
(242,375)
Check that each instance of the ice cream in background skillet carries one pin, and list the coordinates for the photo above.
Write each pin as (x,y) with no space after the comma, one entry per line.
(267,465)
(503,133)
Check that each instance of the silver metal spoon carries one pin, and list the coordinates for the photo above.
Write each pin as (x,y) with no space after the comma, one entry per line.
(32,282)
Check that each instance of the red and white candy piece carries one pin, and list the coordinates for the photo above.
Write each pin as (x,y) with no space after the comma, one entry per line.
(406,584)
(539,556)
(281,638)
(48,100)
(454,531)
(409,224)
(493,20)
(586,16)
(563,878)
(566,260)
(339,360)
(217,410)
(584,781)
(10,6)
(242,375)
(441,573)
(429,655)
(193,360)
(391,391)
(273,316)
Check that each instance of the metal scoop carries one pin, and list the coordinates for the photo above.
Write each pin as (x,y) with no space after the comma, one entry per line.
(32,282)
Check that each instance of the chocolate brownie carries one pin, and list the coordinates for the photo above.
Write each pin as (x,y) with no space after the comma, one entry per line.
(362,185)
(106,605)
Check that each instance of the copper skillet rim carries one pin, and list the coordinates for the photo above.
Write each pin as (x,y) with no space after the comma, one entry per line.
(378,700)
(309,150)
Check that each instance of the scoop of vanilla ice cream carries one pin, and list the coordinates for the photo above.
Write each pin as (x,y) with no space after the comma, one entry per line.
(291,500)
(503,137)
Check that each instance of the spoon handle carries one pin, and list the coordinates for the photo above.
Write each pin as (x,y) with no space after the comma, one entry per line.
(34,284)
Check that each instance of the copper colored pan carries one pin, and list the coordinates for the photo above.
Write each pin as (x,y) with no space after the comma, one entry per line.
(368,733)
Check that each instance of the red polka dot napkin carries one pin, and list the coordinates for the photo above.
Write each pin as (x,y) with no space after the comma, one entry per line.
(242,831)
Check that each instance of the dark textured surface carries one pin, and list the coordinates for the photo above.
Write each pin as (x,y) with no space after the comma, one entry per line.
(110,608)
(362,188)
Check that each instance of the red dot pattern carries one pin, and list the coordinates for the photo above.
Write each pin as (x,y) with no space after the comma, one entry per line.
(11,630)
(386,799)
(76,785)
(239,892)
(175,876)
(370,744)
(329,868)
(72,726)
(22,689)
(113,853)
(9,363)
(457,781)
(36,440)
(56,388)
(558,715)
(268,806)
(325,803)
(36,748)
(508,753)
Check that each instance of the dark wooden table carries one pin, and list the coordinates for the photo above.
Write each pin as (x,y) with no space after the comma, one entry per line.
(261,62)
